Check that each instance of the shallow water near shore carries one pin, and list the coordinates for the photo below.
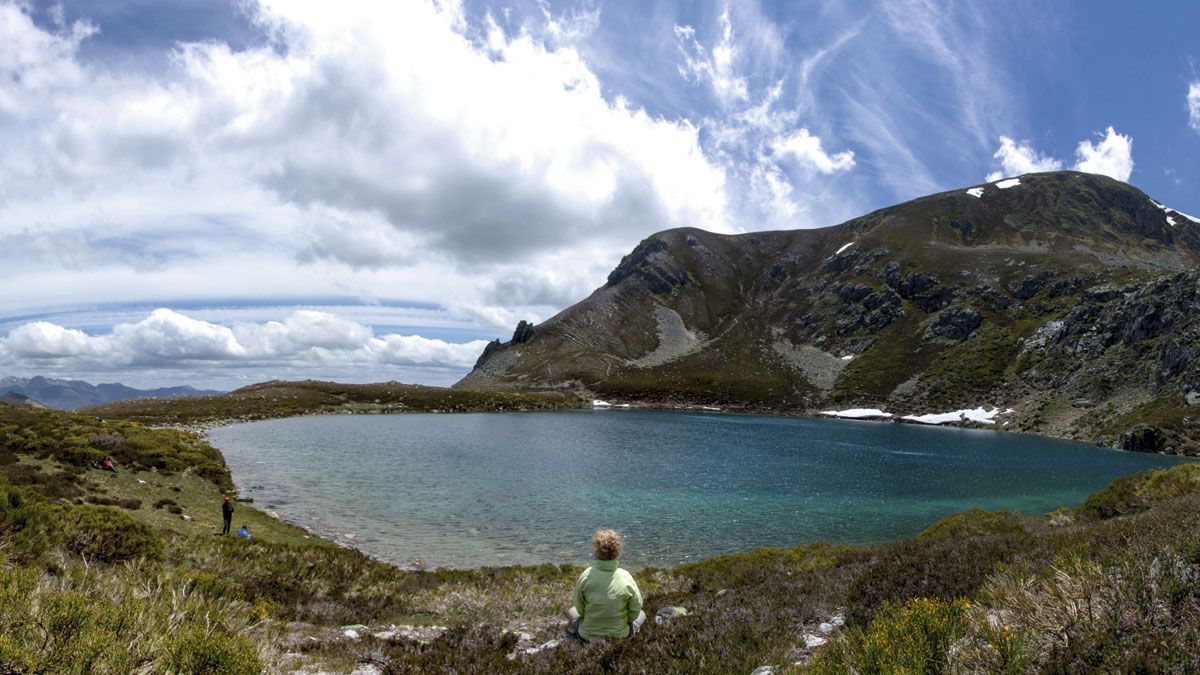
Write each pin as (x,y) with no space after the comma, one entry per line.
(470,490)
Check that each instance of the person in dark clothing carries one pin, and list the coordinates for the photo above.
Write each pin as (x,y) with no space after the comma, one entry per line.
(227,513)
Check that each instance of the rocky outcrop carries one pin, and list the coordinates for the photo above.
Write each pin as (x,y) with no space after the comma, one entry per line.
(523,333)
(1141,438)
(955,323)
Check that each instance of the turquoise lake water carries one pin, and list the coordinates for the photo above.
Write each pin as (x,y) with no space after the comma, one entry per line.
(469,490)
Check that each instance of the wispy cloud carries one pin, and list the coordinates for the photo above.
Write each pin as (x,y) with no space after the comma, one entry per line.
(1193,104)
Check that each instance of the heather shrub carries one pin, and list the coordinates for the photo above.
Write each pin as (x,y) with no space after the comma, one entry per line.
(744,569)
(974,523)
(904,637)
(1130,494)
(107,535)
(200,651)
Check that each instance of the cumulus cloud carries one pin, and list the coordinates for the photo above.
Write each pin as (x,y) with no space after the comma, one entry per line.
(806,149)
(169,339)
(1111,154)
(478,153)
(1018,158)
(1193,104)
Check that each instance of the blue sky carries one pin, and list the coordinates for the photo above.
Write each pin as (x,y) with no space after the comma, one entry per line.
(220,192)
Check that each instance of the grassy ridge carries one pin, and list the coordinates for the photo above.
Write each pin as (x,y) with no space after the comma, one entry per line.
(288,399)
(1112,586)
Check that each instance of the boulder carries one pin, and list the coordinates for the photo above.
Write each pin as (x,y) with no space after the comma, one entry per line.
(1030,285)
(763,670)
(849,293)
(668,613)
(1141,438)
(813,641)
(1192,398)
(955,323)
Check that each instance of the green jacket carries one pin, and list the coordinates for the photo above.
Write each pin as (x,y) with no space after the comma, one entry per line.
(608,599)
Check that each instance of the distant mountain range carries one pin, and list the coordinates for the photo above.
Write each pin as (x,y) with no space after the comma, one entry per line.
(75,394)
(1071,299)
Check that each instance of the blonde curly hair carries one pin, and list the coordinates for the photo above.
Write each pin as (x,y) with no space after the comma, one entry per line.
(606,544)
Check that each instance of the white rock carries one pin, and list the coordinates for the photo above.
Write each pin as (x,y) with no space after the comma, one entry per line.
(667,613)
(837,620)
(351,633)
(825,628)
(366,669)
(813,641)
(763,670)
(185,517)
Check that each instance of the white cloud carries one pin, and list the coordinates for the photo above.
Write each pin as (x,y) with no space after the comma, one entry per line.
(1017,158)
(1193,103)
(806,149)
(714,66)
(1111,156)
(165,338)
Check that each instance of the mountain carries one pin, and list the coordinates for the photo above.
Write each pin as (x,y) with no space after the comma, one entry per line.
(1072,298)
(75,394)
(13,398)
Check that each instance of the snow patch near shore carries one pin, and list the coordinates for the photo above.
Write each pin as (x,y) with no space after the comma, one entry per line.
(981,415)
(856,413)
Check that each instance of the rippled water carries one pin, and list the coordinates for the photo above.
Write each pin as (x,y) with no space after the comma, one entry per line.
(516,488)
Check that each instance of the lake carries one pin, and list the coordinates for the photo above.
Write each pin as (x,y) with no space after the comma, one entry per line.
(468,490)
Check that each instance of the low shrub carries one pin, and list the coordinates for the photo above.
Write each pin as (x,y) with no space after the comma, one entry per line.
(908,637)
(213,652)
(744,569)
(99,533)
(131,504)
(1130,494)
(119,620)
(974,523)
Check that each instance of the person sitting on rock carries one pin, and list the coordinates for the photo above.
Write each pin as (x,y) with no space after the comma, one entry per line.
(608,602)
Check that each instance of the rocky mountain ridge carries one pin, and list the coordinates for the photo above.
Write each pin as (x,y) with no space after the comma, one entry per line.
(1070,298)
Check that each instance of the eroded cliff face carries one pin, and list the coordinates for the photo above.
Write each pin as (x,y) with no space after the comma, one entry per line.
(1069,297)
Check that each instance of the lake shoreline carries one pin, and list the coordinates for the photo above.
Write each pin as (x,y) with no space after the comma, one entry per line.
(379,529)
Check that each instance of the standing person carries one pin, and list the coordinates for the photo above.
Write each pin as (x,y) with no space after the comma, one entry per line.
(227,514)
(608,602)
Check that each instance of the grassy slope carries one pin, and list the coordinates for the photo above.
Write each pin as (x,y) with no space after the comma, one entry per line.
(288,399)
(1131,549)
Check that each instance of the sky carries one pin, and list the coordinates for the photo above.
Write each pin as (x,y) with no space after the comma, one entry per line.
(221,192)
